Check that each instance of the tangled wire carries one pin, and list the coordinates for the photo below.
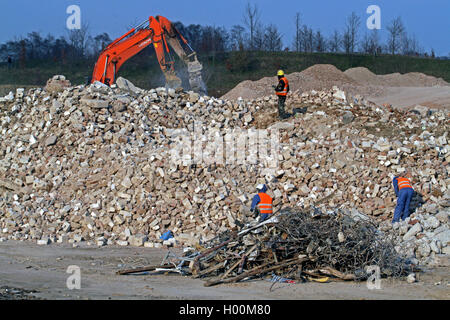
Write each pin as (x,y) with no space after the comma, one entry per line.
(337,241)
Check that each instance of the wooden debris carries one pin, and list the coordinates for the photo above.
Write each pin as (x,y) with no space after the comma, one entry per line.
(143,269)
(258,270)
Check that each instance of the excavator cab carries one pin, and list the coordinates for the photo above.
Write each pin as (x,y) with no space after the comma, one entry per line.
(160,32)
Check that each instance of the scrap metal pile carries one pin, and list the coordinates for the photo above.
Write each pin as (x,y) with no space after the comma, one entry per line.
(293,245)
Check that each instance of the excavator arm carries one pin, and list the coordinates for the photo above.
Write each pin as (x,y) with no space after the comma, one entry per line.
(172,36)
(157,31)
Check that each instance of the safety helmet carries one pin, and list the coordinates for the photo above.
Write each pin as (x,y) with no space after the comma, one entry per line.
(280,73)
(260,186)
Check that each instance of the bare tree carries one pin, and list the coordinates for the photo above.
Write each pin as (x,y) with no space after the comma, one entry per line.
(396,30)
(34,42)
(307,39)
(375,41)
(272,38)
(297,38)
(258,38)
(370,42)
(78,38)
(335,42)
(352,26)
(319,42)
(347,42)
(237,37)
(251,20)
(410,45)
(214,39)
(365,43)
(100,42)
(193,34)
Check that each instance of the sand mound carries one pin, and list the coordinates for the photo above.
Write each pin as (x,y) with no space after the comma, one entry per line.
(412,79)
(327,73)
(317,77)
(363,76)
(324,76)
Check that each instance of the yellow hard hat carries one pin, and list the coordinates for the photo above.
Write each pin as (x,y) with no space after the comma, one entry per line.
(280,73)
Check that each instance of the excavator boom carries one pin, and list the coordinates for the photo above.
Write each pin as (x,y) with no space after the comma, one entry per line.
(160,32)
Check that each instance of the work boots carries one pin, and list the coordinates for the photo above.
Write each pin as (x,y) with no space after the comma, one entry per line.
(285,116)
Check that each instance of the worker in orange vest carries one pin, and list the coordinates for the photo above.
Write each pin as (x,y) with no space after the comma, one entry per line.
(281,91)
(404,192)
(262,202)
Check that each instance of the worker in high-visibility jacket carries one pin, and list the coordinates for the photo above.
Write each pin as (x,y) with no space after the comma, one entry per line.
(262,202)
(281,90)
(404,192)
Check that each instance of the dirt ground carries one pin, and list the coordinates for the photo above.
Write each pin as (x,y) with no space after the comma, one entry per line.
(407,97)
(29,271)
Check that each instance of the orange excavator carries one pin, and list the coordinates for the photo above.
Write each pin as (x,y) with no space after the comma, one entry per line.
(160,32)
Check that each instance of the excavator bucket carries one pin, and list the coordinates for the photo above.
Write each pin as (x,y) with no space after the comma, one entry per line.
(195,77)
(172,81)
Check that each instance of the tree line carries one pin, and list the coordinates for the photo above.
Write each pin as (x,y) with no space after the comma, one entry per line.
(251,35)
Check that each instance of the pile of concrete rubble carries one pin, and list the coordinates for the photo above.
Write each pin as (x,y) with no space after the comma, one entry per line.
(424,236)
(90,163)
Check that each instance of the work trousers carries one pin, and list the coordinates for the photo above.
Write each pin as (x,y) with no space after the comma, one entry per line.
(403,200)
(263,216)
(281,105)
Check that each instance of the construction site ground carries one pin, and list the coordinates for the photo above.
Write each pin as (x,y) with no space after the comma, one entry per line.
(30,271)
(407,97)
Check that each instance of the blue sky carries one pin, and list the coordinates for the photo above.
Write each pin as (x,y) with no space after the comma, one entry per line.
(428,20)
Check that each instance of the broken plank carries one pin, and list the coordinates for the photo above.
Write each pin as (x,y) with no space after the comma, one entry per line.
(338,274)
(210,269)
(238,262)
(143,269)
(258,270)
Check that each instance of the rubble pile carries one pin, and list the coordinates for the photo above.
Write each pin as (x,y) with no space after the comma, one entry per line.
(294,245)
(423,236)
(91,163)
(57,84)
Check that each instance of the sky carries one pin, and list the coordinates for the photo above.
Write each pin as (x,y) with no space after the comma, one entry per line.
(428,20)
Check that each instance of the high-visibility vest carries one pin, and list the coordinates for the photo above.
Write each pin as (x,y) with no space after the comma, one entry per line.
(285,89)
(403,183)
(265,205)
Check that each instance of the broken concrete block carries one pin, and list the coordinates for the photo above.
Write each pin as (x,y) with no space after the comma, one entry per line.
(412,232)
(122,243)
(43,241)
(137,240)
(50,141)
(127,85)
(348,117)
